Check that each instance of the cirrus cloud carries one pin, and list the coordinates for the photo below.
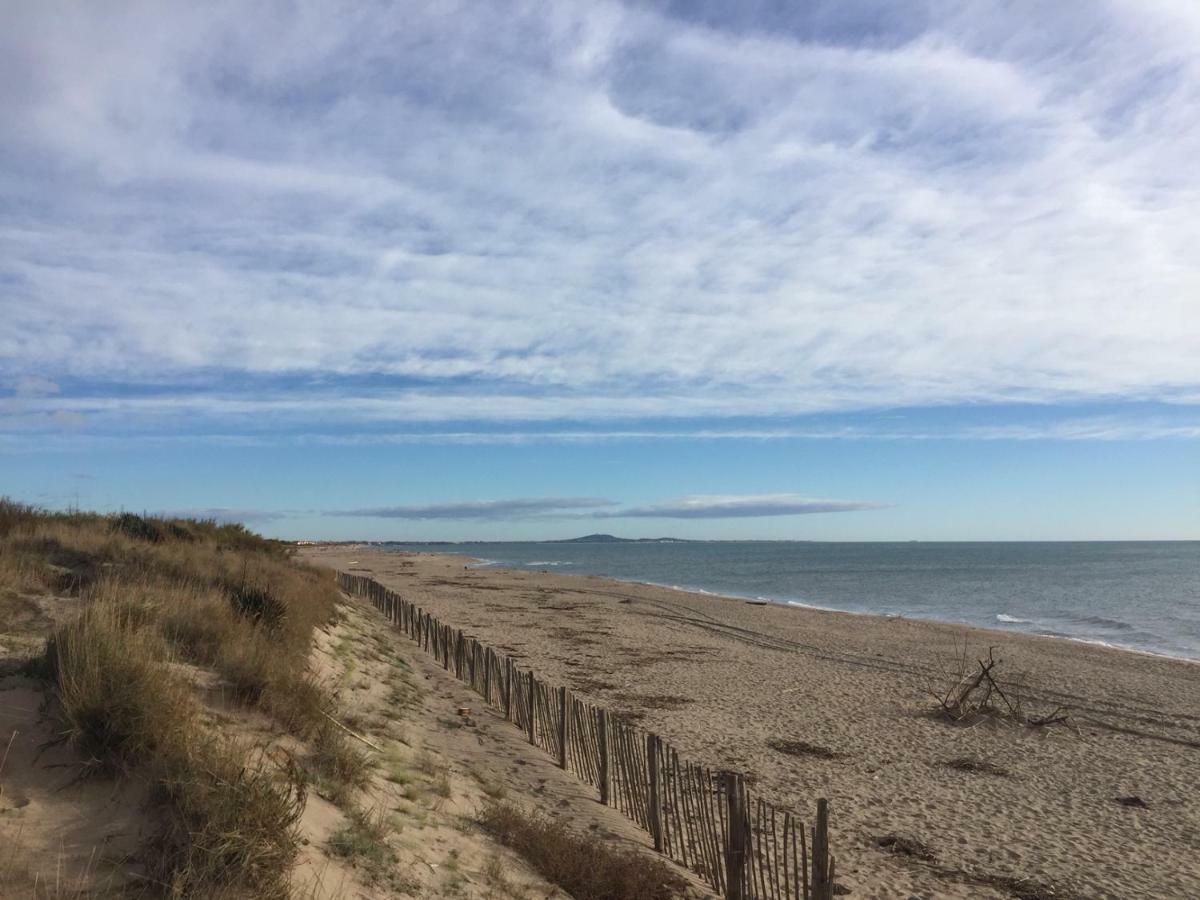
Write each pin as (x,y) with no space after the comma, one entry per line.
(531,214)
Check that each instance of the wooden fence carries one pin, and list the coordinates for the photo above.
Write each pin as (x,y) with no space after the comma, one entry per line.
(707,820)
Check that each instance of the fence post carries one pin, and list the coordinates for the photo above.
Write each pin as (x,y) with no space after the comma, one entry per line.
(656,830)
(602,747)
(562,728)
(735,838)
(487,676)
(822,870)
(532,723)
(508,667)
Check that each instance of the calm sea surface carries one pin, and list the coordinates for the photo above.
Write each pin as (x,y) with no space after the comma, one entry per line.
(1138,595)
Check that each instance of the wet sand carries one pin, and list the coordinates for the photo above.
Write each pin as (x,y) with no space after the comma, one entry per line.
(722,679)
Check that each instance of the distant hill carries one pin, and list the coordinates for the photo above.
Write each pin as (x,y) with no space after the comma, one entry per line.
(613,539)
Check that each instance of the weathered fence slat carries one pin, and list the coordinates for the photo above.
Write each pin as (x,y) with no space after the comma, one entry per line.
(653,810)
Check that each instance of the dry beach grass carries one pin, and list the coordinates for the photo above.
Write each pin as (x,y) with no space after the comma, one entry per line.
(188,711)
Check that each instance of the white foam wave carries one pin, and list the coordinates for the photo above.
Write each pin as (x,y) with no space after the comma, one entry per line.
(548,562)
(1012,620)
(801,605)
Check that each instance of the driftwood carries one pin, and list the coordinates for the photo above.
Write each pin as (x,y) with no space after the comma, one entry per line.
(975,693)
(353,734)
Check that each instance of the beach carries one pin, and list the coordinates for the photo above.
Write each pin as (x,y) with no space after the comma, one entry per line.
(1100,806)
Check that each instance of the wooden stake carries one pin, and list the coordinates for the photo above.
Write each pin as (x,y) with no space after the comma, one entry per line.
(562,728)
(532,723)
(602,741)
(821,887)
(654,811)
(735,839)
(508,667)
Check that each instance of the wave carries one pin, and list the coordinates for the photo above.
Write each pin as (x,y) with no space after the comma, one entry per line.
(1102,622)
(1012,620)
(802,605)
(548,562)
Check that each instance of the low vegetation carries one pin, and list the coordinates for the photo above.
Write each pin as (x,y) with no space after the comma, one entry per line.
(585,866)
(164,605)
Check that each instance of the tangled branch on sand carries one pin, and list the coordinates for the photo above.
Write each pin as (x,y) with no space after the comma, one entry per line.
(975,693)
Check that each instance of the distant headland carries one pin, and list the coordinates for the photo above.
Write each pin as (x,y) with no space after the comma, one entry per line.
(613,539)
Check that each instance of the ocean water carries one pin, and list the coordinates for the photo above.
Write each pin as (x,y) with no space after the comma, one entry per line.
(1136,595)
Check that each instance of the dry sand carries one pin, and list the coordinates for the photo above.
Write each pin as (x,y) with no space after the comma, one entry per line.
(720,678)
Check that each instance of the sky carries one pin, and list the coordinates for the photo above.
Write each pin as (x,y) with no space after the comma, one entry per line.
(834,270)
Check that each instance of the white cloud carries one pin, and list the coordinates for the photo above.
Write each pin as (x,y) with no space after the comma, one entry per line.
(738,507)
(542,216)
(485,510)
(695,507)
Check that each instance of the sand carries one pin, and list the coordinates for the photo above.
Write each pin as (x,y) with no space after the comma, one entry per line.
(721,678)
(435,769)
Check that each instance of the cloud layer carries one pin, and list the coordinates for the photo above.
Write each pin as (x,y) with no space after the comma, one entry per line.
(695,507)
(752,506)
(385,213)
(485,510)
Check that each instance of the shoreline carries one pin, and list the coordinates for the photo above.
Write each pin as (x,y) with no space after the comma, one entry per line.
(492,565)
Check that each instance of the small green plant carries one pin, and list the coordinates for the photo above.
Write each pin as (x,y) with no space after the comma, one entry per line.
(258,604)
(338,764)
(364,840)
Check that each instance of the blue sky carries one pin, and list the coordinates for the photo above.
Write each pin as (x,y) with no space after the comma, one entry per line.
(831,270)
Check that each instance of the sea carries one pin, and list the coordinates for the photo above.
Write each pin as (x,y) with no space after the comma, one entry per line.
(1142,595)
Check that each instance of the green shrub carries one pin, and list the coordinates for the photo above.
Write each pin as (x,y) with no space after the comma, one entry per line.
(258,604)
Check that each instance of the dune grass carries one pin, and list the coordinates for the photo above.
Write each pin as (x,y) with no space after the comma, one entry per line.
(586,866)
(158,599)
